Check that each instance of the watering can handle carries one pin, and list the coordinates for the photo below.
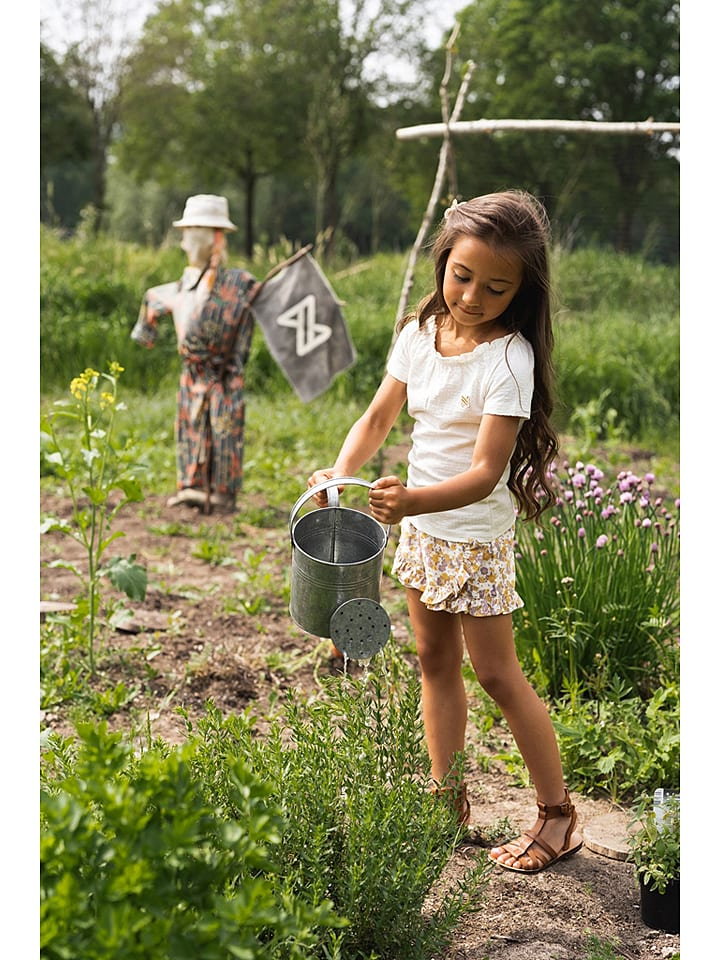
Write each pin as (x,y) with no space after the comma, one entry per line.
(333,499)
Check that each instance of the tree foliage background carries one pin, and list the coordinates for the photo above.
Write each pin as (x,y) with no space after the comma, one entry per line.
(287,108)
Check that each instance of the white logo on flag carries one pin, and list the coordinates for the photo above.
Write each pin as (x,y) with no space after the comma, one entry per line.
(308,332)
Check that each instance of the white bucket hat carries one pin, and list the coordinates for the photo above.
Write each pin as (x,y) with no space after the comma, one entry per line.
(206,210)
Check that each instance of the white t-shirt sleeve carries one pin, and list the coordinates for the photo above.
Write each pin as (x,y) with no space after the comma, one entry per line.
(398,365)
(510,382)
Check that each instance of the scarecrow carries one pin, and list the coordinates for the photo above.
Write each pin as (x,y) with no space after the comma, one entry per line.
(210,308)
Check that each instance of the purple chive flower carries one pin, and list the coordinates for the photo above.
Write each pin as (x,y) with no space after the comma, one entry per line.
(556,521)
(624,485)
(677,503)
(621,553)
(649,478)
(569,495)
(579,480)
(581,532)
(539,535)
(644,502)
(654,548)
(647,522)
(601,541)
(658,501)
(626,497)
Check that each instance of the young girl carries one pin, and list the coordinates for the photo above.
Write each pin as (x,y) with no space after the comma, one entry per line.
(474,367)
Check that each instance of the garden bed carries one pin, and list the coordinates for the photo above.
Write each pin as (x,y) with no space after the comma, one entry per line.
(214,625)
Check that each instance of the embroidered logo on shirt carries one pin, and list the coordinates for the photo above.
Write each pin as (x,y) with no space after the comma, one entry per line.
(464,400)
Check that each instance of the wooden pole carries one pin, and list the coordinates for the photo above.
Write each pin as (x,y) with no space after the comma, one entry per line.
(465,127)
(439,175)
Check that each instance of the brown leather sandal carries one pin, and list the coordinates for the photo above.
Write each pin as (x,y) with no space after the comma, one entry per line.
(530,838)
(456,796)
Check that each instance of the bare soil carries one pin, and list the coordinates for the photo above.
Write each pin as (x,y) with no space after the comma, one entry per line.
(191,639)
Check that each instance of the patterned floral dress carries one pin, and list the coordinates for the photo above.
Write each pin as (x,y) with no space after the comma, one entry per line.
(210,420)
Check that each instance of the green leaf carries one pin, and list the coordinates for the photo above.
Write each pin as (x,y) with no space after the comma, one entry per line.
(131,488)
(96,495)
(64,565)
(113,536)
(128,576)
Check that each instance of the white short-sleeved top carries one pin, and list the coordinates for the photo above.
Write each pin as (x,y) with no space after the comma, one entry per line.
(447,397)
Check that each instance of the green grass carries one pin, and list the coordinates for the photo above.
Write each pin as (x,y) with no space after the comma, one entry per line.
(617,334)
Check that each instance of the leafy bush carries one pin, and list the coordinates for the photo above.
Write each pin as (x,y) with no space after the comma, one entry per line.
(349,771)
(620,745)
(599,577)
(135,862)
(90,293)
(617,343)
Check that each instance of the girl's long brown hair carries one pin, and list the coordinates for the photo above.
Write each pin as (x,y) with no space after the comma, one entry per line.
(512,222)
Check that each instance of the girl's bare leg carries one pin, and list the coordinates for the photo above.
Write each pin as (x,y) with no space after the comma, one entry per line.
(439,641)
(491,646)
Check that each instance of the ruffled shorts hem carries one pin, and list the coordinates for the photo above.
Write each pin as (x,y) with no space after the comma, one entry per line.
(475,578)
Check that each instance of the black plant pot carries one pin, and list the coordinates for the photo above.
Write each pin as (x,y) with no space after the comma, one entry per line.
(661,911)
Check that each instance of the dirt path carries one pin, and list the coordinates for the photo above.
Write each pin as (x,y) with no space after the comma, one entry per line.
(221,630)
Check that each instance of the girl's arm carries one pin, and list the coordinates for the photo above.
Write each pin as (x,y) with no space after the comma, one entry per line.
(390,500)
(366,435)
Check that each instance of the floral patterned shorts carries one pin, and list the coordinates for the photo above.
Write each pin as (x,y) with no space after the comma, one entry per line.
(474,577)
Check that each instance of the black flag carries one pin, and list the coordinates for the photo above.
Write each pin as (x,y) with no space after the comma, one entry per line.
(304,327)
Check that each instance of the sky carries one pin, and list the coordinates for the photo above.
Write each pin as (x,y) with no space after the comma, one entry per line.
(440,17)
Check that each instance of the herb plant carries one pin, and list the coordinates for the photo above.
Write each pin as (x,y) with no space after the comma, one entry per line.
(349,772)
(654,845)
(136,862)
(599,577)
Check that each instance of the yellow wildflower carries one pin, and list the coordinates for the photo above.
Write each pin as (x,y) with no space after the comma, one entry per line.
(115,368)
(106,400)
(78,387)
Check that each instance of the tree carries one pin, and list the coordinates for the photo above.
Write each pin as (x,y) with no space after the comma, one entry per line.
(241,90)
(341,89)
(212,98)
(65,142)
(93,64)
(613,60)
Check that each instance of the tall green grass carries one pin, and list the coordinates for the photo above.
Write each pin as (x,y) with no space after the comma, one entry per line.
(617,331)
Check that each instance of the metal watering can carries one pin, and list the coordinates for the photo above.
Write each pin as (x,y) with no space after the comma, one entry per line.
(337,558)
